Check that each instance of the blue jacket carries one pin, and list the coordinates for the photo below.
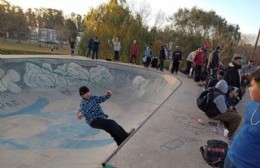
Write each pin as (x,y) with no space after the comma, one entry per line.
(245,149)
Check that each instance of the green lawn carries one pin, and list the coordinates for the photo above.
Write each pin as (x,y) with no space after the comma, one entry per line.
(12,47)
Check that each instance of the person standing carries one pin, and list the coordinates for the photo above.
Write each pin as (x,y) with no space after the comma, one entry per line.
(96,118)
(244,151)
(117,48)
(148,55)
(72,46)
(89,47)
(232,75)
(198,64)
(213,62)
(244,73)
(133,52)
(162,57)
(189,62)
(176,57)
(95,48)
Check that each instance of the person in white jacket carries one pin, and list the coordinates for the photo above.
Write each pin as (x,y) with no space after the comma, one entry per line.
(189,62)
(117,48)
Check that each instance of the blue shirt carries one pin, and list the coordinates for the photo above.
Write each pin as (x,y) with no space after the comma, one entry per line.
(148,52)
(245,149)
(91,109)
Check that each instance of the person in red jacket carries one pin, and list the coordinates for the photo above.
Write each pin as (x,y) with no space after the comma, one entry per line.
(133,52)
(198,63)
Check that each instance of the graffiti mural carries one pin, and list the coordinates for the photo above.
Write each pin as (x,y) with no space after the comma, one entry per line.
(50,128)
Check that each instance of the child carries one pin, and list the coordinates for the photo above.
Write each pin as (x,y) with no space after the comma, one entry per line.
(232,98)
(245,149)
(214,80)
(154,62)
(96,118)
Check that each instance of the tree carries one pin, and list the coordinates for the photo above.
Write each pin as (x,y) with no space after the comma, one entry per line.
(114,19)
(71,29)
(4,12)
(199,26)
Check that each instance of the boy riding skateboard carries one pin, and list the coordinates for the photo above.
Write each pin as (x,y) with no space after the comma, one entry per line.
(96,118)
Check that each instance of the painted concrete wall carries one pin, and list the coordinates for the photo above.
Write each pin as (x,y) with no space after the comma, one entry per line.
(39,99)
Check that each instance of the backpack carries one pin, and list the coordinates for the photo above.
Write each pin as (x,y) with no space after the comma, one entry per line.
(205,101)
(214,153)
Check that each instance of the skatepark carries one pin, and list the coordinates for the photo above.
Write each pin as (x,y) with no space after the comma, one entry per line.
(39,100)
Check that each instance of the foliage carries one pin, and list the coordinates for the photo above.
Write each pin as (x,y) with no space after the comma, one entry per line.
(18,24)
(112,20)
(187,28)
(196,27)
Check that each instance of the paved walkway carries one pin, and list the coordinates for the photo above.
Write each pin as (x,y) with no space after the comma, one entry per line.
(172,136)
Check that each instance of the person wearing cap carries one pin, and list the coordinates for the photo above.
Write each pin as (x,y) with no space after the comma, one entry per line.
(213,61)
(95,117)
(176,57)
(232,75)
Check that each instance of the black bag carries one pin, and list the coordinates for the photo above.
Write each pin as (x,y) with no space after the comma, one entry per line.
(205,101)
(214,153)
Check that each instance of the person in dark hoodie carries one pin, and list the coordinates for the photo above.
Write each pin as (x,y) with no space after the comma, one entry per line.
(230,118)
(231,74)
(176,58)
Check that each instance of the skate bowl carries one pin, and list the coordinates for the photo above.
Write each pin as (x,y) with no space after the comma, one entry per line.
(39,100)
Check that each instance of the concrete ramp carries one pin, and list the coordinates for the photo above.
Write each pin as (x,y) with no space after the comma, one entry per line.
(39,100)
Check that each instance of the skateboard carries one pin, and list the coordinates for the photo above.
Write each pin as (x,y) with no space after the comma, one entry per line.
(105,163)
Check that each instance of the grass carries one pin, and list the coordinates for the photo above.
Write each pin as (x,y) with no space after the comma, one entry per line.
(12,47)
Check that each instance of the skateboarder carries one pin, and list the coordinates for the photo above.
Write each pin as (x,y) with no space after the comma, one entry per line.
(96,118)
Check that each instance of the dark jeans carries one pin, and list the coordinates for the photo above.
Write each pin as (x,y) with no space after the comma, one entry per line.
(116,55)
(133,59)
(111,127)
(95,53)
(228,163)
(72,51)
(197,73)
(175,66)
(89,52)
(161,64)
(147,63)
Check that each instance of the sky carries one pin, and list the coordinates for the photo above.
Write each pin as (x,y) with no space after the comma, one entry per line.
(245,13)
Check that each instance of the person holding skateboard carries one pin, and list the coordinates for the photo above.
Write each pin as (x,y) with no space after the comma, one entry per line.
(95,117)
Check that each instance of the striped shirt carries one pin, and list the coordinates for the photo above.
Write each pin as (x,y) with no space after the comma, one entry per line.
(91,109)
